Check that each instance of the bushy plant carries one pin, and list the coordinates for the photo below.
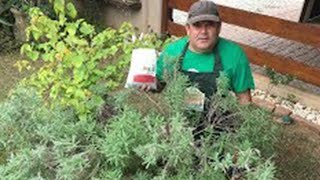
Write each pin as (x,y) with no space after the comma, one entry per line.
(42,143)
(278,78)
(80,64)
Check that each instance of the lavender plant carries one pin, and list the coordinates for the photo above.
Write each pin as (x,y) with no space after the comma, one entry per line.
(42,143)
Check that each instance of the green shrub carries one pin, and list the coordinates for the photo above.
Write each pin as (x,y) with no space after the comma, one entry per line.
(80,64)
(37,142)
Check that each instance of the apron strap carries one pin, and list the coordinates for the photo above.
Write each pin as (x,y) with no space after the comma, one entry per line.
(217,60)
(217,63)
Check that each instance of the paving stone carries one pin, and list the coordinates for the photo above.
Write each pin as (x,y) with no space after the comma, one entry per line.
(263,104)
(281,111)
(298,118)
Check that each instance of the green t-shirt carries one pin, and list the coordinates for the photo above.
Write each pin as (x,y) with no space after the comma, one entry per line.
(234,62)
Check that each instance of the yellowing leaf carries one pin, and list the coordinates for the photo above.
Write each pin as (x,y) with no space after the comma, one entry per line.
(21,65)
(25,49)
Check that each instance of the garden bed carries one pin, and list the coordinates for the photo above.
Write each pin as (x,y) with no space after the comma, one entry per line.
(76,139)
(296,154)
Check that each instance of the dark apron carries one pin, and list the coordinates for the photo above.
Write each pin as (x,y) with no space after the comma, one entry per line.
(206,82)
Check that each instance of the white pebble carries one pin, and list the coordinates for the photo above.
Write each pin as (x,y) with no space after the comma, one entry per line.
(301,113)
(299,106)
(259,94)
(273,99)
(307,113)
(310,117)
(287,104)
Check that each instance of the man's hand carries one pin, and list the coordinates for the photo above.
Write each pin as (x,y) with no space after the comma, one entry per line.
(244,97)
(144,87)
(159,87)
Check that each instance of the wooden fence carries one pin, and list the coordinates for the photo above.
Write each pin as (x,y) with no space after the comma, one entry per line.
(303,33)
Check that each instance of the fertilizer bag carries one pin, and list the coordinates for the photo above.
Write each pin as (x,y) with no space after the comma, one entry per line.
(142,68)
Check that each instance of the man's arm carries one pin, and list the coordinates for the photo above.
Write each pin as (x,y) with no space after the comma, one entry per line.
(244,97)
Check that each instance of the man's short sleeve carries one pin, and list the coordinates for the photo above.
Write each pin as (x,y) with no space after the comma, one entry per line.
(159,69)
(242,79)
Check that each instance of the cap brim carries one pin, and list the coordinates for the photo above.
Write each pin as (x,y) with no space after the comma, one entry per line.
(199,18)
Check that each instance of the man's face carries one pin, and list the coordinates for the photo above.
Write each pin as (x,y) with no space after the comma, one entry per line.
(203,35)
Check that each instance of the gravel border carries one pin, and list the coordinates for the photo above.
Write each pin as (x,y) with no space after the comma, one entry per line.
(282,107)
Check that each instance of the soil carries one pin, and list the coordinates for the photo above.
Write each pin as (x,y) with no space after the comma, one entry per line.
(298,153)
(9,75)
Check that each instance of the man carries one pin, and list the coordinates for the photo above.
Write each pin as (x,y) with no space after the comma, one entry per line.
(202,54)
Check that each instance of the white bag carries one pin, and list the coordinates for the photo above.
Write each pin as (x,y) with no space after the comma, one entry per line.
(194,99)
(142,68)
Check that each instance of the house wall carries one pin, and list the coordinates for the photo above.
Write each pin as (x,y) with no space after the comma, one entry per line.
(148,17)
(145,19)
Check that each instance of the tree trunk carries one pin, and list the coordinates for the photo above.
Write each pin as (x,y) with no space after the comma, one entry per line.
(20,24)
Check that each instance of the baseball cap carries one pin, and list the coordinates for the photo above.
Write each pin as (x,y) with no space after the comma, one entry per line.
(203,11)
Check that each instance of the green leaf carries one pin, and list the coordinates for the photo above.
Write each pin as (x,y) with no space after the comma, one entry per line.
(77,61)
(91,65)
(95,101)
(70,90)
(44,46)
(25,48)
(48,56)
(58,6)
(34,55)
(60,46)
(113,50)
(71,28)
(80,94)
(98,72)
(86,28)
(36,34)
(71,10)
(79,75)
(73,40)
(62,19)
